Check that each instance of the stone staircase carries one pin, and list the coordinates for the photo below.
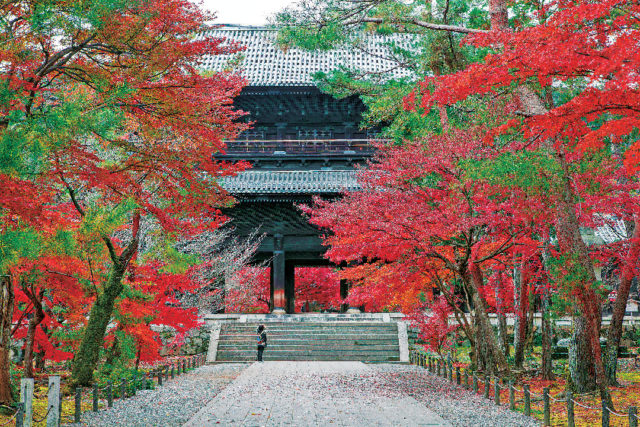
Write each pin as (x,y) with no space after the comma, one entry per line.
(369,341)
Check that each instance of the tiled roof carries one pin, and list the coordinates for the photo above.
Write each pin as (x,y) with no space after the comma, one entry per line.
(291,182)
(612,231)
(265,64)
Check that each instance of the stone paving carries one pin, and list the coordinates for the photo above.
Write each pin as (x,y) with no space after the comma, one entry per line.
(313,394)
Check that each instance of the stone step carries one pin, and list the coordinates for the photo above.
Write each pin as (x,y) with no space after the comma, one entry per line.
(310,330)
(337,358)
(309,338)
(329,353)
(310,324)
(314,346)
(315,340)
(353,341)
(313,351)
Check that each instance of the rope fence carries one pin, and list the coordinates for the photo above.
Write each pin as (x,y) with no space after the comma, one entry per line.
(470,380)
(95,395)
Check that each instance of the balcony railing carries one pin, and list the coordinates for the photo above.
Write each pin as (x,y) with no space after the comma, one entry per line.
(301,147)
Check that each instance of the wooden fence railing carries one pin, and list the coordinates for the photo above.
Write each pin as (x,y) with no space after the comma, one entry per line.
(471,381)
(54,416)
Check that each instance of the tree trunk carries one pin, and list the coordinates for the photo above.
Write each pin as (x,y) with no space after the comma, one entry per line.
(38,317)
(86,359)
(502,318)
(521,315)
(6,320)
(547,331)
(582,276)
(40,360)
(581,365)
(498,14)
(620,305)
(494,359)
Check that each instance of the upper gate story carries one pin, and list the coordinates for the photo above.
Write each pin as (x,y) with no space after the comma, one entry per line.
(302,143)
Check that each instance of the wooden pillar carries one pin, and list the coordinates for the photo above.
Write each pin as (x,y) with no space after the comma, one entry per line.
(278,271)
(289,286)
(344,292)
(271,285)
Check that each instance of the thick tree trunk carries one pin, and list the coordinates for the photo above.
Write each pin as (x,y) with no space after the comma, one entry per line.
(502,318)
(620,305)
(547,332)
(503,334)
(6,319)
(38,317)
(494,360)
(581,364)
(498,14)
(580,271)
(547,326)
(86,359)
(521,315)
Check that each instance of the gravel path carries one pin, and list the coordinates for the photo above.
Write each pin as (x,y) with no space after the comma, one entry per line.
(307,394)
(453,403)
(170,405)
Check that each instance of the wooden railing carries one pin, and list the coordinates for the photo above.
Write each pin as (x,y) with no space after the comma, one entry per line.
(306,147)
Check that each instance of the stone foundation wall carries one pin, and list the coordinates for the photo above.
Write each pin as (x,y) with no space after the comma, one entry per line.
(195,341)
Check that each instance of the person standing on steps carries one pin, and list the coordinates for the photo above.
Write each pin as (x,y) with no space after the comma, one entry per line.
(262,341)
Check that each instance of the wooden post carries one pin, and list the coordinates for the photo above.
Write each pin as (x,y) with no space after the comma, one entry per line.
(605,415)
(123,389)
(438,368)
(466,379)
(95,397)
(570,414)
(53,402)
(547,409)
(450,371)
(178,366)
(78,412)
(475,383)
(173,372)
(496,392)
(166,373)
(26,397)
(512,396)
(135,383)
(458,375)
(159,377)
(527,400)
(20,419)
(109,394)
(487,383)
(633,416)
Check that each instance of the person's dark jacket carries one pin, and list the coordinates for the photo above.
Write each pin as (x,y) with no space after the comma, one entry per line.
(263,339)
